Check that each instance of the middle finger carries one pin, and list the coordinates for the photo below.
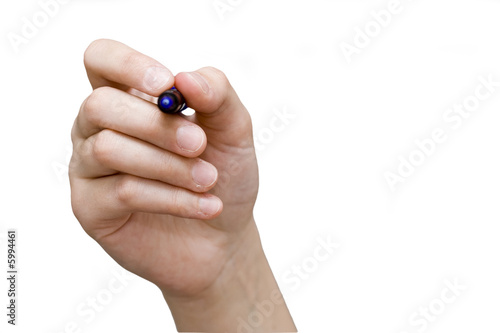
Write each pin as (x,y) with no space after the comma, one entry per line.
(109,152)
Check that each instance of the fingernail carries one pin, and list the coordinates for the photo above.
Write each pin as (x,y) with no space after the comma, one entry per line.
(190,138)
(204,174)
(201,81)
(209,206)
(156,77)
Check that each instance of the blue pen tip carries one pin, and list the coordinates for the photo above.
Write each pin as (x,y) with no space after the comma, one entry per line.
(166,102)
(171,101)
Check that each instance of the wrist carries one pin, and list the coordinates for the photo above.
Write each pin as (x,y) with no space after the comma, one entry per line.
(245,297)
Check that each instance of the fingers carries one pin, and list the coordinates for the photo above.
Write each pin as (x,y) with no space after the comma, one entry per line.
(129,157)
(109,108)
(109,152)
(218,108)
(120,195)
(111,63)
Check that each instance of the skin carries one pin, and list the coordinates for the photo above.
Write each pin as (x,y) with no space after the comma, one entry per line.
(171,197)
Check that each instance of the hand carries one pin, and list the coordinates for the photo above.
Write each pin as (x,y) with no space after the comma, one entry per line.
(144,184)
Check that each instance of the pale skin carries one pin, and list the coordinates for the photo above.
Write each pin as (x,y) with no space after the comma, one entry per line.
(171,197)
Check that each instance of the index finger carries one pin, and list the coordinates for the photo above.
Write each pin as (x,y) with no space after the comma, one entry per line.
(111,63)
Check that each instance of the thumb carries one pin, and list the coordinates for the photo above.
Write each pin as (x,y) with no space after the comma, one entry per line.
(219,110)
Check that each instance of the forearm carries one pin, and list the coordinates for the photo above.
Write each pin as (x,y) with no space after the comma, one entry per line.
(245,298)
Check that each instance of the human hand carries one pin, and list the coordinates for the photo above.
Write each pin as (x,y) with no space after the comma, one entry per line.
(144,184)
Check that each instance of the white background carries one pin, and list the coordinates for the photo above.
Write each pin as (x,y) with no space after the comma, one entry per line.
(321,176)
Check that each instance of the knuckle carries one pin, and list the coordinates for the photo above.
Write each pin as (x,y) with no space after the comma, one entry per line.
(92,50)
(174,200)
(220,76)
(76,163)
(221,85)
(93,105)
(81,155)
(132,61)
(126,189)
(166,164)
(103,146)
(179,202)
(152,119)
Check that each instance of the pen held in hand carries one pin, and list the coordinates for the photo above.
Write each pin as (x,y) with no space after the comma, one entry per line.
(171,101)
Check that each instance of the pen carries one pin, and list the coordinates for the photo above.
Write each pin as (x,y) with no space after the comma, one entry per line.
(171,101)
